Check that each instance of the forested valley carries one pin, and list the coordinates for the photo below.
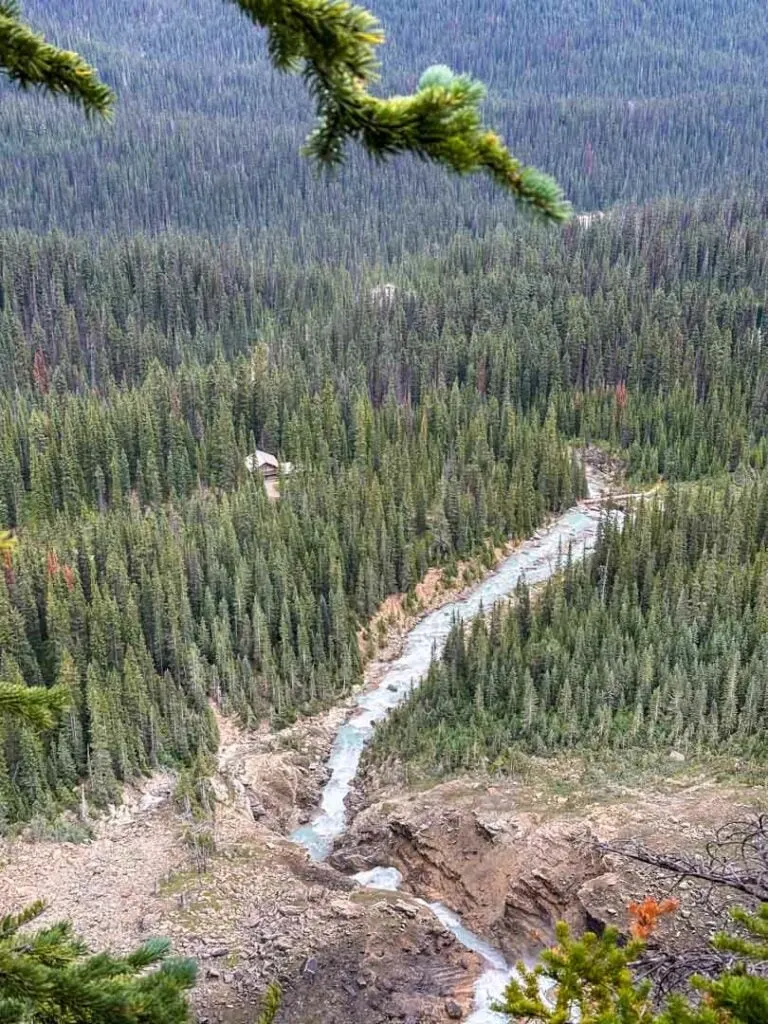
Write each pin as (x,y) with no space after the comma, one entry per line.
(425,421)
(248,405)
(656,642)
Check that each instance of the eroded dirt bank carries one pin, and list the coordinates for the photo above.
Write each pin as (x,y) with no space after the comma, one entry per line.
(514,860)
(511,858)
(259,911)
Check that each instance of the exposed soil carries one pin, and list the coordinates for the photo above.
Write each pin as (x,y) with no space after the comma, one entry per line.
(507,857)
(107,886)
(513,861)
(511,858)
(260,911)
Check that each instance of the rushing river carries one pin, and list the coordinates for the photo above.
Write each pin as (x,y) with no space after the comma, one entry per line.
(535,559)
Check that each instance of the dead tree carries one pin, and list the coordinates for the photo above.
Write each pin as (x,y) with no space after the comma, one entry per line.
(736,860)
(736,857)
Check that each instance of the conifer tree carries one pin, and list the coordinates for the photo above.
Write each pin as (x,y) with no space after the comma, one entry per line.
(332,43)
(48,975)
(594,983)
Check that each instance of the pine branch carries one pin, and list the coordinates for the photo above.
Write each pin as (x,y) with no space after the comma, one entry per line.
(333,43)
(151,952)
(27,59)
(34,705)
(48,976)
(11,923)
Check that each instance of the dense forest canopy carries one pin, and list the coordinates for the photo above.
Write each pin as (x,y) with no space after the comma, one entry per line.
(427,363)
(644,329)
(425,420)
(619,101)
(657,641)
(179,288)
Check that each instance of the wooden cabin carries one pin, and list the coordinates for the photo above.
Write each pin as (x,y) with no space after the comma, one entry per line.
(265,463)
(268,465)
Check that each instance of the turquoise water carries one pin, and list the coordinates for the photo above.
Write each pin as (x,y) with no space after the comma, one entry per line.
(536,559)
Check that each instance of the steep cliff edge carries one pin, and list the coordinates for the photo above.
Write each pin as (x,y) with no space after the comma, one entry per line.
(513,861)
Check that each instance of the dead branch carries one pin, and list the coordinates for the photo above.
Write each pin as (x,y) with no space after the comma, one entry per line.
(672,971)
(736,857)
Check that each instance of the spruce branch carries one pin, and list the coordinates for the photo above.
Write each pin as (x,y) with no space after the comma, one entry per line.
(30,61)
(34,705)
(333,44)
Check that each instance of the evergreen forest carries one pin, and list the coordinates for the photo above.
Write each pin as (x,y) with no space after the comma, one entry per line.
(656,642)
(620,101)
(427,419)
(431,361)
(178,288)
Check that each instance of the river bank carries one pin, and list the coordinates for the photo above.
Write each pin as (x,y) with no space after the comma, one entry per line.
(261,910)
(256,911)
(534,560)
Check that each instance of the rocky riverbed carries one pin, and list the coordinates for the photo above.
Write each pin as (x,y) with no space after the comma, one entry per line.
(511,858)
(514,859)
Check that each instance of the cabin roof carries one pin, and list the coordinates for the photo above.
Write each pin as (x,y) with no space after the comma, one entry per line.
(261,460)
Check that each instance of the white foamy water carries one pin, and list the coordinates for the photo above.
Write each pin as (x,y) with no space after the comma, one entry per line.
(388,879)
(536,559)
(490,986)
